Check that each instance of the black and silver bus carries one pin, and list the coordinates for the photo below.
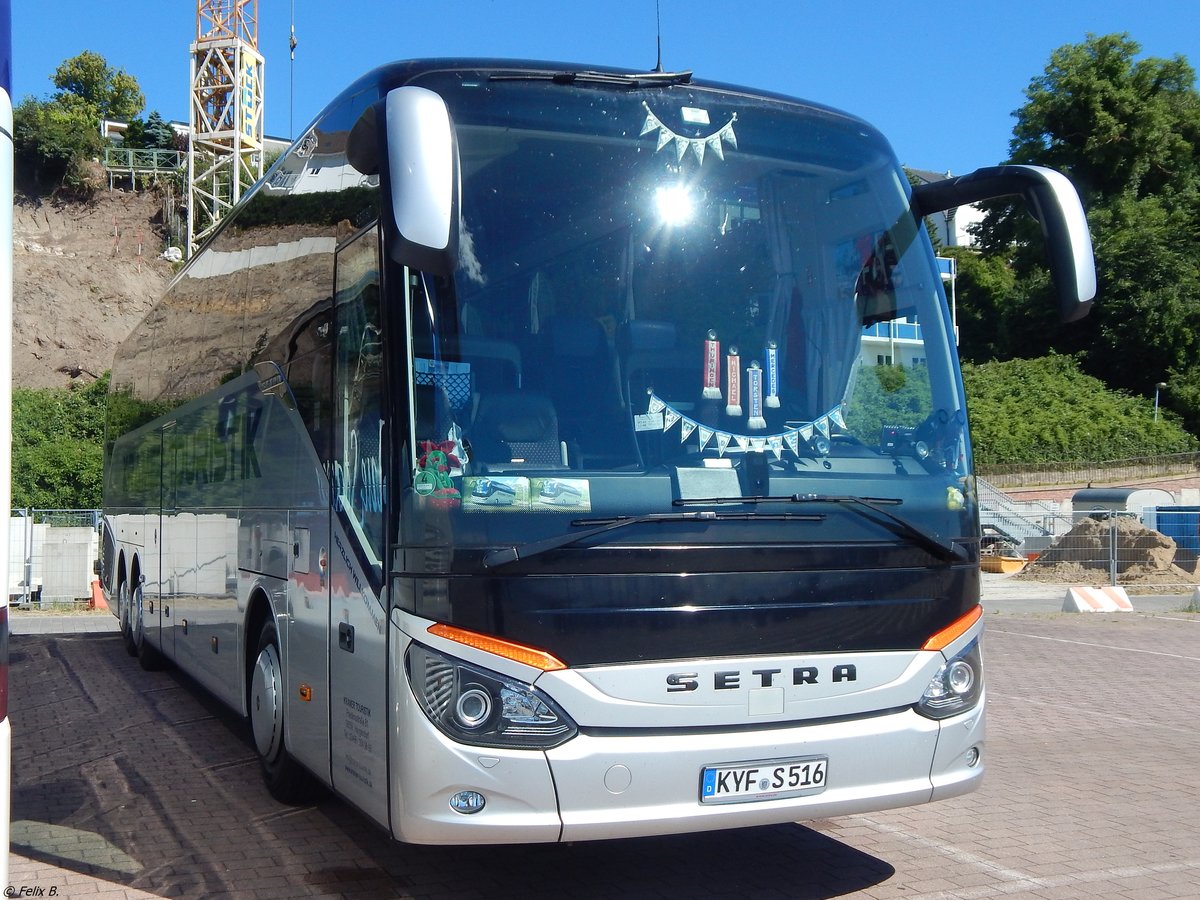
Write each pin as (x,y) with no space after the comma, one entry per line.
(543,453)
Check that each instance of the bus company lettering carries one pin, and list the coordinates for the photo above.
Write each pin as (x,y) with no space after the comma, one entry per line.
(357,725)
(371,605)
(732,680)
(226,453)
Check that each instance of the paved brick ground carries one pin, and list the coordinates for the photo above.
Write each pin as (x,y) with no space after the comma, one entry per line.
(133,784)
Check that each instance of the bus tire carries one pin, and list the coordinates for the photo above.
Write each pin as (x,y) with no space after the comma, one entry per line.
(286,780)
(124,618)
(147,656)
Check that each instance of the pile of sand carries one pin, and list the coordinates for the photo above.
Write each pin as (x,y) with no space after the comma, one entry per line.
(1143,555)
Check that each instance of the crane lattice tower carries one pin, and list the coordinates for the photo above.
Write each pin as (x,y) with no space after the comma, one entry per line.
(225,116)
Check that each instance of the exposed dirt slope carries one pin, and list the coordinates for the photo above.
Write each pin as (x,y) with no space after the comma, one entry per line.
(79,285)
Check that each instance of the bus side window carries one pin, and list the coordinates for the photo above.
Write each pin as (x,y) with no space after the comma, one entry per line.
(310,376)
(358,384)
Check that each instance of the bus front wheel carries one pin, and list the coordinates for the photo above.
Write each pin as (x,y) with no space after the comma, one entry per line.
(285,779)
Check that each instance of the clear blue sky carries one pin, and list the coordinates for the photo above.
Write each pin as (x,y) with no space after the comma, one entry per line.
(941,80)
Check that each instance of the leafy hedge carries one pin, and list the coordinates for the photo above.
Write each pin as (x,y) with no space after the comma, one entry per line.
(1047,411)
(58,436)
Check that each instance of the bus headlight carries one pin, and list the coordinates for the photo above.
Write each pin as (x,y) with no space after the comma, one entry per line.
(956,687)
(475,706)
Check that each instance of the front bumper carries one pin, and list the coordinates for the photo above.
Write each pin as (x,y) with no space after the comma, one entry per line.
(607,784)
(876,762)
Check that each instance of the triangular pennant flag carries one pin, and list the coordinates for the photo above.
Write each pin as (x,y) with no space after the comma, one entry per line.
(656,405)
(698,149)
(835,416)
(792,439)
(681,147)
(714,144)
(722,442)
(706,435)
(758,444)
(743,442)
(806,432)
(686,429)
(775,443)
(728,135)
(822,425)
(670,417)
(651,123)
(664,138)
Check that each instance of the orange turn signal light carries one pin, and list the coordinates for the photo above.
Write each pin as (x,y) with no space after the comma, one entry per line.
(530,656)
(954,630)
(306,692)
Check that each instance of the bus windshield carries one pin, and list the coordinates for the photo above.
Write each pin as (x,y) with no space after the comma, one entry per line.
(672,294)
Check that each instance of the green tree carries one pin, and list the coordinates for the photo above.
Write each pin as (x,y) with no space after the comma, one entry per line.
(54,139)
(151,134)
(983,286)
(1127,132)
(113,93)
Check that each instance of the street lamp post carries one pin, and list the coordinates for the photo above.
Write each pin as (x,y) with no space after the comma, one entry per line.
(1161,386)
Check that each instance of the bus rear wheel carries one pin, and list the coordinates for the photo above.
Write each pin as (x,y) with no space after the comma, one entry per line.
(124,618)
(286,780)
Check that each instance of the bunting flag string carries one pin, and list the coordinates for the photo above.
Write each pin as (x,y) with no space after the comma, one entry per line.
(791,438)
(682,144)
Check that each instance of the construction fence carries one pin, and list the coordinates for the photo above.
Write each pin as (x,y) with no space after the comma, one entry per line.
(51,553)
(1156,551)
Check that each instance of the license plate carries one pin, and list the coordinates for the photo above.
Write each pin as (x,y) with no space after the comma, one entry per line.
(766,780)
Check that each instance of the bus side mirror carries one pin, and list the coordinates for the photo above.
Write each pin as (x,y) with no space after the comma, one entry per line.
(421,178)
(1054,203)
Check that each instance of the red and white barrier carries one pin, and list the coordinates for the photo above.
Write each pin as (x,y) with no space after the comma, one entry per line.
(1097,599)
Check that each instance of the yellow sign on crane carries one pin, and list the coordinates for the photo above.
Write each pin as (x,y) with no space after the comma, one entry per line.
(225,118)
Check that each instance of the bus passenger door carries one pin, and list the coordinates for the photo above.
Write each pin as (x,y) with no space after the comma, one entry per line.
(358,619)
(306,453)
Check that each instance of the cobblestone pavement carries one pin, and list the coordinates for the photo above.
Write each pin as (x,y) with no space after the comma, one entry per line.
(134,784)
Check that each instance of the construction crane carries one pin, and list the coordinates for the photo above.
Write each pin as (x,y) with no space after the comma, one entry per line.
(225,118)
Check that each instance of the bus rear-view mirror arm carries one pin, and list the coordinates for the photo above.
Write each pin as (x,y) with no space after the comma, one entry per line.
(1054,203)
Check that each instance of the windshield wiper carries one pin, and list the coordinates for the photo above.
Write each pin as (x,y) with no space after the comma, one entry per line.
(600,526)
(867,507)
(617,79)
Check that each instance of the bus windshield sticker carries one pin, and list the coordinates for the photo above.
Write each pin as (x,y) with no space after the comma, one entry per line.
(567,494)
(496,492)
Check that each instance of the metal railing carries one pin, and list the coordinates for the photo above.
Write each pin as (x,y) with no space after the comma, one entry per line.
(1120,471)
(128,160)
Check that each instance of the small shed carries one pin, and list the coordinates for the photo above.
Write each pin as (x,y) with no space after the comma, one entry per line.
(1119,500)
